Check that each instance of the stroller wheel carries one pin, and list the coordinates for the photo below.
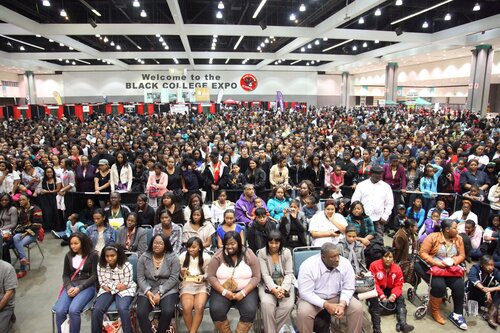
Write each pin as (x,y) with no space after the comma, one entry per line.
(420,312)
(410,294)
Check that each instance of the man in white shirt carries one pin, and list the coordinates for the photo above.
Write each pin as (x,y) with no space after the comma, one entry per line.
(326,282)
(376,197)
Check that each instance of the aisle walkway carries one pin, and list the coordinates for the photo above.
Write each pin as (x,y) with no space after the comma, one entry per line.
(38,291)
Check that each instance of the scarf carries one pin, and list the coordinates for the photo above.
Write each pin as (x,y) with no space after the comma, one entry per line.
(352,256)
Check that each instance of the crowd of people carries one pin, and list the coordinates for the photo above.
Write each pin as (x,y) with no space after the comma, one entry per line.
(249,185)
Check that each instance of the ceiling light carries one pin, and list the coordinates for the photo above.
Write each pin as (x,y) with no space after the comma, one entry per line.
(227,60)
(213,44)
(60,59)
(354,48)
(63,13)
(21,42)
(166,47)
(257,11)
(262,44)
(96,12)
(476,7)
(425,25)
(112,43)
(213,47)
(160,39)
(337,45)
(309,46)
(73,63)
(219,15)
(258,48)
(136,3)
(51,41)
(399,2)
(67,61)
(361,20)
(143,13)
(276,62)
(38,36)
(376,41)
(215,40)
(307,64)
(292,17)
(105,40)
(378,12)
(365,44)
(61,44)
(302,8)
(118,47)
(158,35)
(325,39)
(164,43)
(316,42)
(302,49)
(215,36)
(313,62)
(220,5)
(266,41)
(210,61)
(447,17)
(97,35)
(177,61)
(238,42)
(296,61)
(22,48)
(46,3)
(421,12)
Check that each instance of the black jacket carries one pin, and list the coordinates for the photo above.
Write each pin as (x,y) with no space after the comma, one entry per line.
(257,234)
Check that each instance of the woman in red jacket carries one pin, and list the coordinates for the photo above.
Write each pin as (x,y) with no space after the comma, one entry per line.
(389,284)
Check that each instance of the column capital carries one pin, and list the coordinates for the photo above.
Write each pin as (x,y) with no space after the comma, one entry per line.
(392,64)
(345,73)
(483,47)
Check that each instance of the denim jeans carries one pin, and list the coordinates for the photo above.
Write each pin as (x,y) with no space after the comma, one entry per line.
(20,243)
(72,306)
(102,304)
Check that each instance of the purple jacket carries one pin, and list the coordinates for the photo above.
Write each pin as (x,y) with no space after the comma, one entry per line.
(244,206)
(429,229)
(399,181)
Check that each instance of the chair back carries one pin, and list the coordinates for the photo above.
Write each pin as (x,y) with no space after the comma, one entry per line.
(149,235)
(300,254)
(132,259)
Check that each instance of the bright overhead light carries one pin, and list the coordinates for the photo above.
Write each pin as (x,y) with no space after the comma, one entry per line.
(313,62)
(176,61)
(307,64)
(258,48)
(21,48)
(309,46)
(296,61)
(210,61)
(160,39)
(378,12)
(38,36)
(266,41)
(425,25)
(73,63)
(365,44)
(337,45)
(276,62)
(219,15)
(164,43)
(447,17)
(118,47)
(325,39)
(213,47)
(257,11)
(238,42)
(63,13)
(302,8)
(399,2)
(292,17)
(143,13)
(158,35)
(262,44)
(316,42)
(376,41)
(361,20)
(302,49)
(105,40)
(166,47)
(46,3)
(220,5)
(21,42)
(421,12)
(215,36)
(354,48)
(61,44)
(97,35)
(112,43)
(51,41)
(96,12)
(140,48)
(213,44)
(67,61)
(136,3)
(60,59)
(227,60)
(476,7)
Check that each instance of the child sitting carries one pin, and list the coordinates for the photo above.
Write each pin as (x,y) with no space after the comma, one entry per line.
(474,194)
(259,204)
(353,250)
(310,208)
(430,225)
(72,226)
(21,189)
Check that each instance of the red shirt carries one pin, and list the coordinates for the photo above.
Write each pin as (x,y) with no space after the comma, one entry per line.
(393,280)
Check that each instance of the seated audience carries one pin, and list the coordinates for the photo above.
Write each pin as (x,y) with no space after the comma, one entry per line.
(472,235)
(131,236)
(219,206)
(116,212)
(327,226)
(245,204)
(229,224)
(101,233)
(169,229)
(145,213)
(198,226)
(293,226)
(72,225)
(258,231)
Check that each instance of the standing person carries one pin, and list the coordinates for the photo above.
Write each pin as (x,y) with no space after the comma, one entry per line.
(315,172)
(48,190)
(256,176)
(79,281)
(194,287)
(395,175)
(8,221)
(428,185)
(158,279)
(68,183)
(215,176)
(389,285)
(115,277)
(233,274)
(101,180)
(84,175)
(376,197)
(276,290)
(176,182)
(157,184)
(8,286)
(139,176)
(326,283)
(121,174)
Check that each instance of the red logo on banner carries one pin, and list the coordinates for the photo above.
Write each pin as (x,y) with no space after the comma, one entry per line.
(248,82)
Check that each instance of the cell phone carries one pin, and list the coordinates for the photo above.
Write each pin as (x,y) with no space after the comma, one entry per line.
(337,232)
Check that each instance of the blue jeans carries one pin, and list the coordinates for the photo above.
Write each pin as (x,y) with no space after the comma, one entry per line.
(20,243)
(122,306)
(72,306)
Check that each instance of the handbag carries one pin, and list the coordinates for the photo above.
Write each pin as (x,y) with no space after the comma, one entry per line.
(230,284)
(453,271)
(65,326)
(153,192)
(73,276)
(111,326)
(408,268)
(364,283)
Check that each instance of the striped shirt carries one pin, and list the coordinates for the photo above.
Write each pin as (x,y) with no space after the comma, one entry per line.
(111,277)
